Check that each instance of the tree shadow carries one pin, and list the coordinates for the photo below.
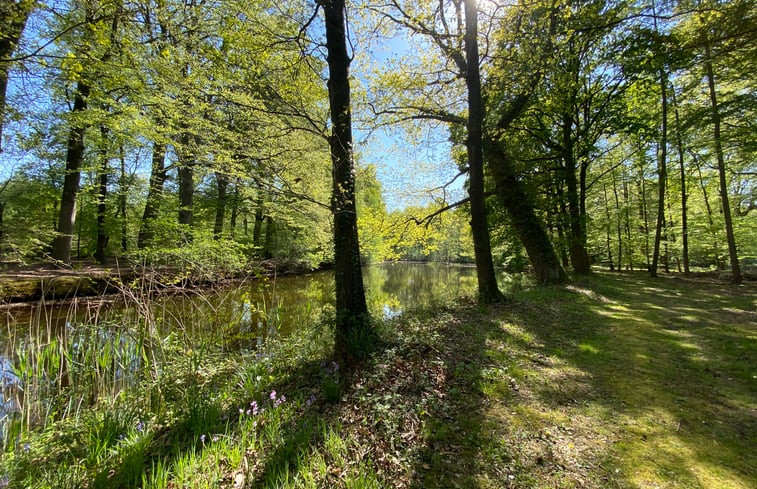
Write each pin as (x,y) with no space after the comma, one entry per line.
(669,364)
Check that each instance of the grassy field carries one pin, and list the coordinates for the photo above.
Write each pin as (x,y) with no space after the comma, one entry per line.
(615,381)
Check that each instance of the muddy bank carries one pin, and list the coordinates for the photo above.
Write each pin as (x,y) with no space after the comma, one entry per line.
(20,284)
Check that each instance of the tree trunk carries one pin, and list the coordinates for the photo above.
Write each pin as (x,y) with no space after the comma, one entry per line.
(527,225)
(487,280)
(102,235)
(715,111)
(270,235)
(186,188)
(234,209)
(222,183)
(257,227)
(579,257)
(154,193)
(352,321)
(122,200)
(619,227)
(662,173)
(74,156)
(684,196)
(13,17)
(608,238)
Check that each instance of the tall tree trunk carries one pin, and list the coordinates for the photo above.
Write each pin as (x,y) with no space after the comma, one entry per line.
(527,225)
(234,209)
(102,235)
(122,199)
(609,230)
(186,188)
(270,235)
(715,111)
(619,227)
(662,173)
(257,227)
(487,280)
(154,194)
(710,219)
(579,257)
(74,156)
(351,310)
(644,211)
(222,183)
(684,196)
(13,17)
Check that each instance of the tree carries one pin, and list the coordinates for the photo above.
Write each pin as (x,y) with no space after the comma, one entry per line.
(487,280)
(13,17)
(352,319)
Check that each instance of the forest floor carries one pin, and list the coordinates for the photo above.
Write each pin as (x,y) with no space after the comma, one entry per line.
(618,380)
(615,381)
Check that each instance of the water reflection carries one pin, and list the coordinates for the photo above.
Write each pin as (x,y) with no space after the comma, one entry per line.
(237,317)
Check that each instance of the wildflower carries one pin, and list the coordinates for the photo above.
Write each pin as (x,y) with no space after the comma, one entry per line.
(140,426)
(279,401)
(273,395)
(215,437)
(202,438)
(27,447)
(254,407)
(310,400)
(241,411)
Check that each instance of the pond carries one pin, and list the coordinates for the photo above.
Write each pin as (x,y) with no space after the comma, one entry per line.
(45,349)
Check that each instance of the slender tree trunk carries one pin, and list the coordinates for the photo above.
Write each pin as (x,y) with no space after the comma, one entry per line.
(234,209)
(710,219)
(122,200)
(351,310)
(609,230)
(684,196)
(270,236)
(644,209)
(186,188)
(102,235)
(487,280)
(74,157)
(662,172)
(579,257)
(715,112)
(222,183)
(619,227)
(13,17)
(154,194)
(257,227)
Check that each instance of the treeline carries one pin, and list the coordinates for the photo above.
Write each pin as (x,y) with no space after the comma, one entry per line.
(609,132)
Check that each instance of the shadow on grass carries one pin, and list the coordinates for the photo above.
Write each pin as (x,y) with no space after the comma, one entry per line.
(660,371)
(620,381)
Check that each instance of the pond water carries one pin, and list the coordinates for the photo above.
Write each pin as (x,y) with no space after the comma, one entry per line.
(47,343)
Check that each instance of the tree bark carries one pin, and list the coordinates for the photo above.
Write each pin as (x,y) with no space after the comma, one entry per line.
(186,188)
(487,280)
(684,195)
(527,225)
(579,257)
(715,112)
(222,184)
(102,194)
(74,156)
(352,320)
(154,193)
(257,227)
(662,172)
(122,201)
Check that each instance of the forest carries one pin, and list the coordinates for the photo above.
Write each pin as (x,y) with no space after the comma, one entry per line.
(591,162)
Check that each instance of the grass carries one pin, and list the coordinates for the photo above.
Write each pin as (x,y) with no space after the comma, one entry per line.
(615,381)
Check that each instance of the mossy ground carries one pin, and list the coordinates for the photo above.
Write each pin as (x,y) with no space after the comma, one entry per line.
(618,381)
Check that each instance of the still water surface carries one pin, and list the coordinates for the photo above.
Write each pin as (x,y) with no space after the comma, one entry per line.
(236,317)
